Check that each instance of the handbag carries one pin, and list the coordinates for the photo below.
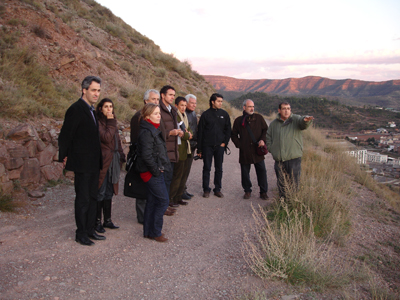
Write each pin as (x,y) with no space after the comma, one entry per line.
(261,151)
(131,157)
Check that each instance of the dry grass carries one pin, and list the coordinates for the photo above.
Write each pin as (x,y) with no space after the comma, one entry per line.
(295,240)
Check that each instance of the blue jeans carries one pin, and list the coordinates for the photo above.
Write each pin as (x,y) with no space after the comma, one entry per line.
(287,172)
(156,205)
(208,153)
(261,177)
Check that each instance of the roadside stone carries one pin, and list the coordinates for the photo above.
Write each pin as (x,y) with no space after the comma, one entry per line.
(2,169)
(14,163)
(7,187)
(46,156)
(31,146)
(53,171)
(22,132)
(40,145)
(31,171)
(36,194)
(15,174)
(18,151)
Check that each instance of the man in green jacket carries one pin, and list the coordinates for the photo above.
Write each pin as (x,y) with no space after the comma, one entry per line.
(285,143)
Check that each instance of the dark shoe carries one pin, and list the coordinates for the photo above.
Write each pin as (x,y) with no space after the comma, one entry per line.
(84,241)
(189,194)
(171,209)
(264,196)
(97,237)
(173,205)
(185,196)
(182,203)
(247,195)
(99,228)
(219,194)
(206,194)
(160,239)
(110,224)
(169,213)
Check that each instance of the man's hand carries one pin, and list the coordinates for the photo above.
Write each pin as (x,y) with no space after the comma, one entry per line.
(180,133)
(65,162)
(261,143)
(308,118)
(198,153)
(223,145)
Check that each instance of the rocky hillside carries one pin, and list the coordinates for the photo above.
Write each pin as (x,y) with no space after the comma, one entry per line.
(386,93)
(48,47)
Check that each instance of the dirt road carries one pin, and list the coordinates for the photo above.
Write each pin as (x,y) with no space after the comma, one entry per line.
(202,259)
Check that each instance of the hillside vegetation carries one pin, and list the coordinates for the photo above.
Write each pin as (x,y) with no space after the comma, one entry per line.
(316,237)
(329,114)
(48,47)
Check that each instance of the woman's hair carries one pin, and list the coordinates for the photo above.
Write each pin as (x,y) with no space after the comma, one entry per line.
(147,110)
(180,99)
(99,108)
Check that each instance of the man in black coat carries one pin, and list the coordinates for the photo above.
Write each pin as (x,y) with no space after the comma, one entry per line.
(249,132)
(79,150)
(213,135)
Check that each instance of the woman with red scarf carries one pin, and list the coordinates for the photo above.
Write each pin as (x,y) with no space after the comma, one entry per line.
(152,161)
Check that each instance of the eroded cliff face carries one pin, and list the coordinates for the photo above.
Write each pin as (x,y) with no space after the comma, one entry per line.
(311,85)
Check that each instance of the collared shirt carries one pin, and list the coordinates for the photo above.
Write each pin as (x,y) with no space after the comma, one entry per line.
(92,109)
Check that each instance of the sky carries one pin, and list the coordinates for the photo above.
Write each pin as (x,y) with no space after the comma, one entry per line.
(357,39)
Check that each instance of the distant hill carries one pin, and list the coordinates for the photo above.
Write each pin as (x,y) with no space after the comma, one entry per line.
(48,47)
(355,92)
(328,114)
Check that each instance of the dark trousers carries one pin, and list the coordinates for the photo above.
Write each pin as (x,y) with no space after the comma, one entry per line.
(156,205)
(188,166)
(168,174)
(261,177)
(208,153)
(86,186)
(140,208)
(178,182)
(287,175)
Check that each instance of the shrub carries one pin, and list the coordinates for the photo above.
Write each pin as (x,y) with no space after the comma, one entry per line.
(288,249)
(6,203)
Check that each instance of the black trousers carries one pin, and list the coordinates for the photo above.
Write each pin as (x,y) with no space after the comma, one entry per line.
(210,152)
(86,187)
(261,177)
(287,173)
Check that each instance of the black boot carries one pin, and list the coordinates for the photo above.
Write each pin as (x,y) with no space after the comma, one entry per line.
(98,226)
(107,215)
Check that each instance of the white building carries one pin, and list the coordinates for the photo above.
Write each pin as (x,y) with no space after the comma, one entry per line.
(376,157)
(349,148)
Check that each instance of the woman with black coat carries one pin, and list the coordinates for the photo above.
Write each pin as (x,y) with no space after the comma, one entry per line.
(151,163)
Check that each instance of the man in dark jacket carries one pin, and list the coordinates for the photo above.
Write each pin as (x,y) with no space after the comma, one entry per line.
(241,137)
(214,132)
(169,126)
(80,151)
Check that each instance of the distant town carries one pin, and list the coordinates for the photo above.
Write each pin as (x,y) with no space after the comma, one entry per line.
(378,150)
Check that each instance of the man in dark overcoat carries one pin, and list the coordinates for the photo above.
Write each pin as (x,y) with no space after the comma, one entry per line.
(80,152)
(248,156)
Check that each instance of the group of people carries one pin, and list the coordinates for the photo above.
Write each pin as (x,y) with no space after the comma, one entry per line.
(165,134)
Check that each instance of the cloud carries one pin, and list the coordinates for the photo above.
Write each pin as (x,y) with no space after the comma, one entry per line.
(363,68)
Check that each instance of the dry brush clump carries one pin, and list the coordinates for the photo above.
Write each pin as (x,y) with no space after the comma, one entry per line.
(295,241)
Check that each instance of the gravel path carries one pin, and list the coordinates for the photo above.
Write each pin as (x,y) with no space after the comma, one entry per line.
(202,259)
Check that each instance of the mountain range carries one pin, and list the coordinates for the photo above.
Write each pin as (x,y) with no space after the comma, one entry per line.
(348,91)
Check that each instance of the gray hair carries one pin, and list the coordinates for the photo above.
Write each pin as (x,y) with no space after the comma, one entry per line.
(88,81)
(190,96)
(245,101)
(147,94)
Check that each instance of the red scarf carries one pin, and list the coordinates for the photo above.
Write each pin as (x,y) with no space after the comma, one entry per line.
(147,175)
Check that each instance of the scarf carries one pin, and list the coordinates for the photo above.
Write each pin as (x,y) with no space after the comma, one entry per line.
(154,124)
(186,122)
